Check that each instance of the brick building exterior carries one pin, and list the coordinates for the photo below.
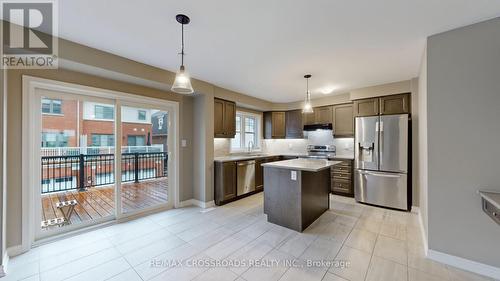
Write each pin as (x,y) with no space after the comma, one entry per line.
(72,127)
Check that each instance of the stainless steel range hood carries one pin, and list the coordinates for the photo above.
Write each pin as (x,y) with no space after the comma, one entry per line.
(327,126)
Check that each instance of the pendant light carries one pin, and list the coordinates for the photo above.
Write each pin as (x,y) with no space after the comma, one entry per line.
(182,82)
(307,104)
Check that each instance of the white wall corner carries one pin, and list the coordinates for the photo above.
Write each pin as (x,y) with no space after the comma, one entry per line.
(422,231)
(465,264)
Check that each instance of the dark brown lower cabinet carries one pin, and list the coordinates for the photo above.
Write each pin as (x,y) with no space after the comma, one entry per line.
(342,178)
(259,174)
(225,182)
(226,179)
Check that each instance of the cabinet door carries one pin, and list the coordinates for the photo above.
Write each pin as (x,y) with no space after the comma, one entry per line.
(343,120)
(395,104)
(229,119)
(341,186)
(323,114)
(278,124)
(366,107)
(259,174)
(218,118)
(308,118)
(293,124)
(229,180)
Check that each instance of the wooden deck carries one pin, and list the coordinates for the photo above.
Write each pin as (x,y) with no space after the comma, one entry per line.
(99,202)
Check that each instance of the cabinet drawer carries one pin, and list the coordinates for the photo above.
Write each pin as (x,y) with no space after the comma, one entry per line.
(342,169)
(491,210)
(341,176)
(342,186)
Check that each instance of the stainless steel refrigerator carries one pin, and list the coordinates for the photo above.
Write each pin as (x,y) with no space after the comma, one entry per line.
(381,161)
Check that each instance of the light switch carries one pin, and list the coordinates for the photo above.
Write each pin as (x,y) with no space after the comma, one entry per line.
(293,175)
(183,143)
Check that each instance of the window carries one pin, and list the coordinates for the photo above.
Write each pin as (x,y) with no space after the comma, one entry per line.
(104,112)
(141,116)
(51,106)
(53,139)
(136,140)
(103,140)
(247,131)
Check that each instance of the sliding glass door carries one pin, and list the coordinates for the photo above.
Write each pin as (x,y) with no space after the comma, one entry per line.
(144,158)
(77,156)
(98,159)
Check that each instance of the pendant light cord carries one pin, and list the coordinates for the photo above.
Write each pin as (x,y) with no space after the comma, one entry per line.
(182,45)
(307,89)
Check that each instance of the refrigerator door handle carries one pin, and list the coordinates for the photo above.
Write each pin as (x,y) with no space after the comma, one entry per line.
(381,142)
(380,175)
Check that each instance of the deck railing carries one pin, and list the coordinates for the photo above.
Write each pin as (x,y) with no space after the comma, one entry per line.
(93,150)
(67,172)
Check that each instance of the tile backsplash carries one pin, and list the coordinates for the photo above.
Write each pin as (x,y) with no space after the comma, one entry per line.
(285,146)
(222,147)
(345,146)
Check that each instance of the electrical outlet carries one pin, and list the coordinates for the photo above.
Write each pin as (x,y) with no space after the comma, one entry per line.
(183,143)
(293,175)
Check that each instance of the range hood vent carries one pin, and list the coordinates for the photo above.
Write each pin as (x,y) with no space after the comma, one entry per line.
(327,126)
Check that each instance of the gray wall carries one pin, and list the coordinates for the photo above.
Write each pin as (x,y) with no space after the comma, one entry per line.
(463,104)
(2,164)
(186,153)
(421,142)
(203,151)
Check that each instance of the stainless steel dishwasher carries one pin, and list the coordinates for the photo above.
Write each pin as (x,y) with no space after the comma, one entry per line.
(245,180)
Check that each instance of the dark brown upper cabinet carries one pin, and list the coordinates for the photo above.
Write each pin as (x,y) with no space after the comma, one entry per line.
(343,125)
(293,124)
(308,118)
(274,125)
(323,114)
(395,104)
(224,118)
(366,107)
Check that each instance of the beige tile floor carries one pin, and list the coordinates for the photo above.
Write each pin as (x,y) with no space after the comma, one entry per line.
(377,244)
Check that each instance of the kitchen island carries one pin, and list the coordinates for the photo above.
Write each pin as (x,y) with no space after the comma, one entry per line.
(296,192)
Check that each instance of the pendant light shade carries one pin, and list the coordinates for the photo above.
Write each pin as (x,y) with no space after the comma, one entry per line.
(182,82)
(307,104)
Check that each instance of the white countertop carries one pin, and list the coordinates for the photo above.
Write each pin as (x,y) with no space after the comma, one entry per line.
(239,157)
(302,164)
(491,196)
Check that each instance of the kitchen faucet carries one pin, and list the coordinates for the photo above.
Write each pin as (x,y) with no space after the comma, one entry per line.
(250,146)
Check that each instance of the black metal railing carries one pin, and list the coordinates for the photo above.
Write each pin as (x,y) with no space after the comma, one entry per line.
(61,173)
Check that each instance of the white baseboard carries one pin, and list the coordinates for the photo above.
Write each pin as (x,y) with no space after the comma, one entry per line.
(194,202)
(9,252)
(5,263)
(14,251)
(465,264)
(458,262)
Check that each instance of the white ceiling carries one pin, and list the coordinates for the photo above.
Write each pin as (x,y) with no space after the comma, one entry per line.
(264,47)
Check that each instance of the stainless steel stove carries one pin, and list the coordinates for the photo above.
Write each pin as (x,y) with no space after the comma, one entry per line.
(321,151)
